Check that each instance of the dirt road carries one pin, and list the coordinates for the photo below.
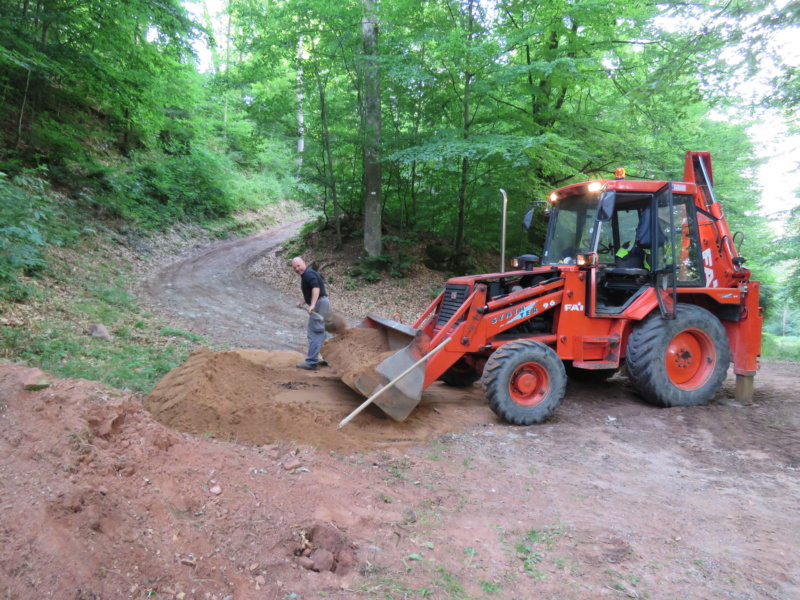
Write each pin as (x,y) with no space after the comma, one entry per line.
(236,484)
(213,292)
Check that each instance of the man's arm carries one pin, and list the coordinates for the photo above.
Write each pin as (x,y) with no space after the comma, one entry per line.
(314,298)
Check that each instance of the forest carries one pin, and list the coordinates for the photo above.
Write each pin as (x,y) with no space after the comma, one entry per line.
(390,121)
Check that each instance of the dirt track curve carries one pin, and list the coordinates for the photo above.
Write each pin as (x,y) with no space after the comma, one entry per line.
(215,295)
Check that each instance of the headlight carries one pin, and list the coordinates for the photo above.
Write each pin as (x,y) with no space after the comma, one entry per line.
(595,186)
(515,262)
(586,260)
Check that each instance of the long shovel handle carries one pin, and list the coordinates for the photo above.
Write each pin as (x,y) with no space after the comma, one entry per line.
(371,399)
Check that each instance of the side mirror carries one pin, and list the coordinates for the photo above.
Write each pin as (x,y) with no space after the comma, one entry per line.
(605,208)
(526,222)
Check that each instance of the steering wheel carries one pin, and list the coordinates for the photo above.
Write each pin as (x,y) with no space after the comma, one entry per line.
(603,248)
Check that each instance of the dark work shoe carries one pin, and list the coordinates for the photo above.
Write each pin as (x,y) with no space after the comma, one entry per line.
(323,363)
(306,366)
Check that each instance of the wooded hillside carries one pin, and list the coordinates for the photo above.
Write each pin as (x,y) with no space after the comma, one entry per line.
(408,114)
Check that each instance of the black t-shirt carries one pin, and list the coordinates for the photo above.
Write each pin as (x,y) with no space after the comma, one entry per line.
(309,280)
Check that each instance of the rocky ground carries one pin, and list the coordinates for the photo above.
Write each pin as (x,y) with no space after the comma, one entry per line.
(231,479)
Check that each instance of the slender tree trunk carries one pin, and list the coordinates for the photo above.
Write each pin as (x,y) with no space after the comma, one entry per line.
(126,134)
(372,124)
(22,109)
(326,143)
(227,68)
(785,317)
(462,191)
(413,217)
(215,66)
(417,120)
(300,115)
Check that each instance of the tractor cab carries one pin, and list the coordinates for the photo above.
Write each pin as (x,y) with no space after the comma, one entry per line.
(634,235)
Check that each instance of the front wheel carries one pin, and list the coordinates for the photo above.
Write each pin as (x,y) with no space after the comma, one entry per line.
(681,361)
(524,382)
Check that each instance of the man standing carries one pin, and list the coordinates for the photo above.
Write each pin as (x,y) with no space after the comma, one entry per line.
(313,289)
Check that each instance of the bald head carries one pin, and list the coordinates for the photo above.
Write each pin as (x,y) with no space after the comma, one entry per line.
(299,265)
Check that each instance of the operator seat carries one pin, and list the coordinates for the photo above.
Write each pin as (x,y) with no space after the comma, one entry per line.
(630,271)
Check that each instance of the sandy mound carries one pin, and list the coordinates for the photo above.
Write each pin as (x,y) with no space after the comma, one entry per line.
(356,351)
(259,397)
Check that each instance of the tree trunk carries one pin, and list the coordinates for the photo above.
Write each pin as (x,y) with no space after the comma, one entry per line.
(227,69)
(785,317)
(300,115)
(215,66)
(372,125)
(22,110)
(326,143)
(462,190)
(412,219)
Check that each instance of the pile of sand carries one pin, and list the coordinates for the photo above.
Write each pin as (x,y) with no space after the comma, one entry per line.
(260,397)
(356,351)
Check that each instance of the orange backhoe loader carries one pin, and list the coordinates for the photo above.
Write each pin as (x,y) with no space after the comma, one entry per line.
(643,274)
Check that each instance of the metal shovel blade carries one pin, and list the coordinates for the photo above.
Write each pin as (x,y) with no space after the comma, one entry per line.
(412,345)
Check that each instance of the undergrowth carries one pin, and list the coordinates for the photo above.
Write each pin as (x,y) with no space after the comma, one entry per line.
(780,348)
(79,288)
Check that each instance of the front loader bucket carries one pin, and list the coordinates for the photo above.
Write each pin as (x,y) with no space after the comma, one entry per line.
(368,360)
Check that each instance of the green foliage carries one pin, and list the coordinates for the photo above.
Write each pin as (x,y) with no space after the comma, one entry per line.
(160,189)
(142,350)
(172,332)
(781,348)
(30,220)
(62,351)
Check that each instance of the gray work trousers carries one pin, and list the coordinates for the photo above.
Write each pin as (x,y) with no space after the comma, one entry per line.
(316,329)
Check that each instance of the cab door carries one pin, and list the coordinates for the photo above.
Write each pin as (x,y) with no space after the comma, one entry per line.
(663,251)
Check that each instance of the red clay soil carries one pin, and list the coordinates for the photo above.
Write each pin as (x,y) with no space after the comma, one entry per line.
(239,486)
(250,492)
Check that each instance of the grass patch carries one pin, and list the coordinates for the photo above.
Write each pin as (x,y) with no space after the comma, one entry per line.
(384,587)
(82,287)
(625,583)
(780,347)
(172,332)
(65,353)
(532,548)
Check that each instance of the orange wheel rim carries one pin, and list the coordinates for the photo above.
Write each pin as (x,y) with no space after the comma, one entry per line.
(690,360)
(529,385)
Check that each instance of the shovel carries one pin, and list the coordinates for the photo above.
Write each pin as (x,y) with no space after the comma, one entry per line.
(334,323)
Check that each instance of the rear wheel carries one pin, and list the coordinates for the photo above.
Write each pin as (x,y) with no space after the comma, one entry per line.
(681,361)
(524,382)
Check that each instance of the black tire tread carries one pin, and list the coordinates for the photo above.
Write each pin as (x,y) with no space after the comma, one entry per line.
(645,357)
(496,376)
(456,377)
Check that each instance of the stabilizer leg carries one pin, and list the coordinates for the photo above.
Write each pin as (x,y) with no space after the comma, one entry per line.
(744,389)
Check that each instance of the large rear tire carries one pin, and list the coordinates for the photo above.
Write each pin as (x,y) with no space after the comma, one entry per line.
(681,361)
(524,382)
